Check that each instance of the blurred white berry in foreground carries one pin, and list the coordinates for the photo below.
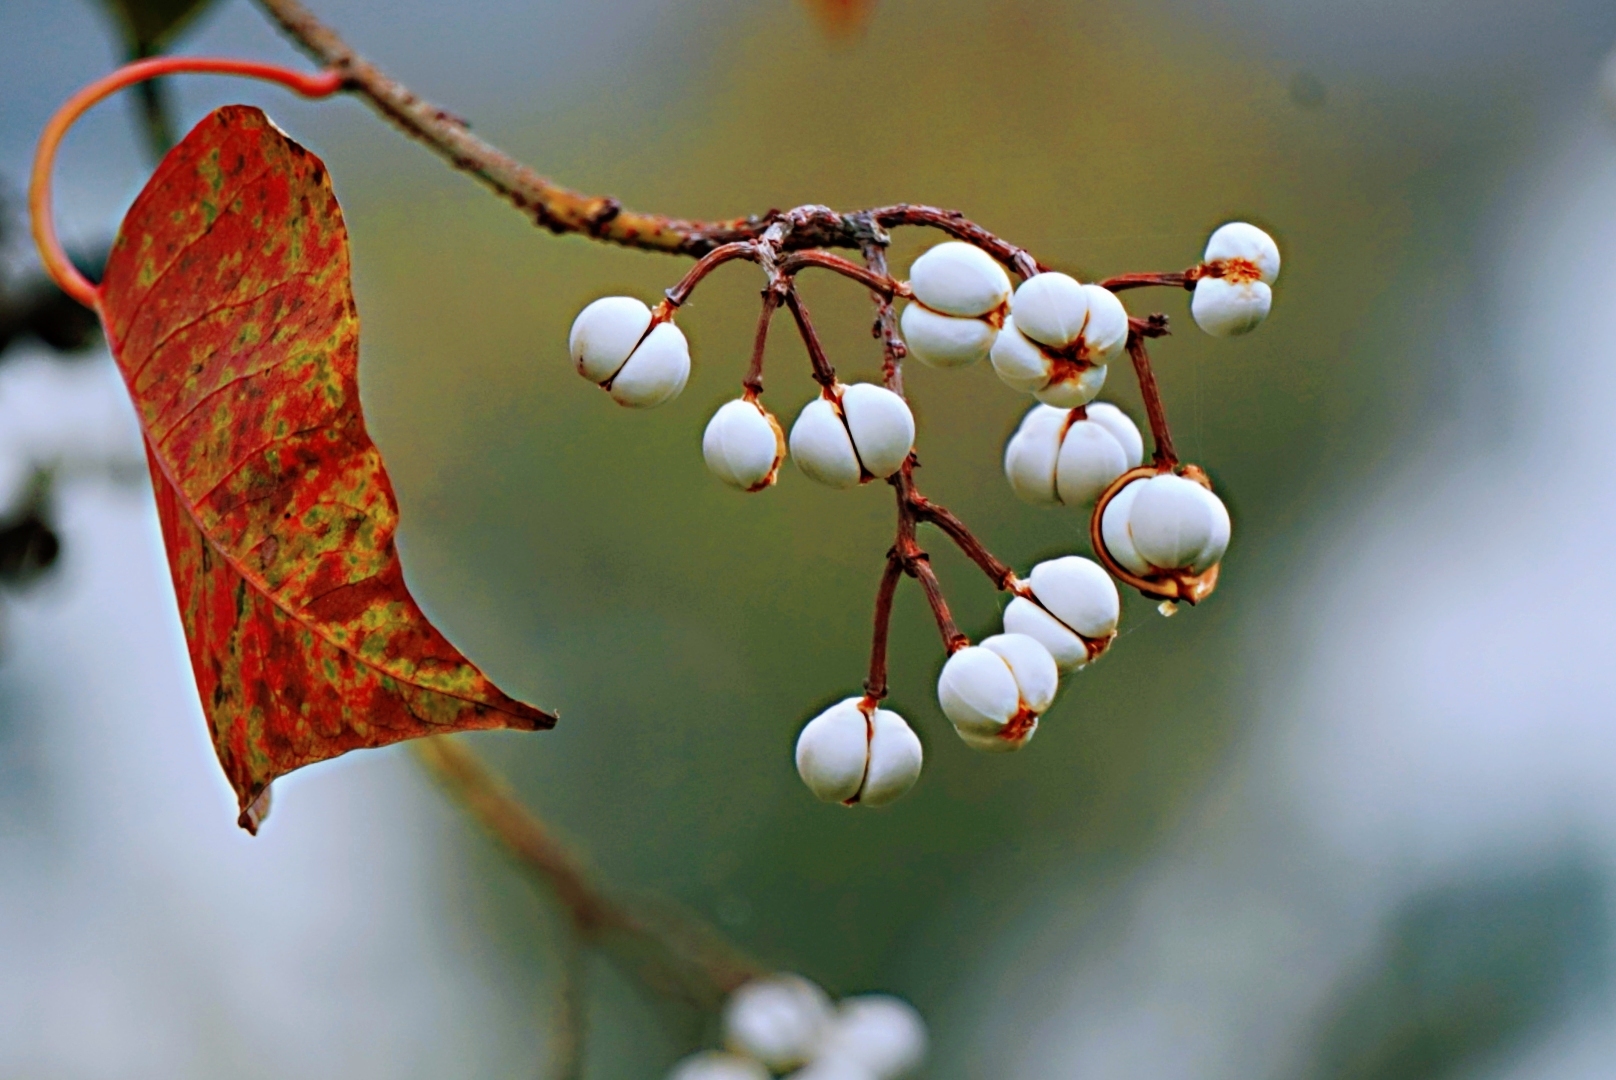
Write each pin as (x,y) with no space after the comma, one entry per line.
(778,1019)
(879,1033)
(849,756)
(1056,458)
(1058,339)
(993,693)
(1165,522)
(1074,602)
(743,445)
(866,433)
(1237,299)
(610,347)
(833,1068)
(717,1065)
(958,292)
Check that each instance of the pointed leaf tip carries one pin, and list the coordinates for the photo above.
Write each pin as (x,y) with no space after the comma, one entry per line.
(228,306)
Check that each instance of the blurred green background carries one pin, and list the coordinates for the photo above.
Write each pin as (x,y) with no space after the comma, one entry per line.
(586,559)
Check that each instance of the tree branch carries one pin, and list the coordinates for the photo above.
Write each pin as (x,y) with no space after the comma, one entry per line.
(563,210)
(824,373)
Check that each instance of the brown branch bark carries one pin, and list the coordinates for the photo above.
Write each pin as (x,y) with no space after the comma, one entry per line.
(754,370)
(919,567)
(824,373)
(1183,279)
(569,1026)
(885,327)
(1165,455)
(925,510)
(875,687)
(562,210)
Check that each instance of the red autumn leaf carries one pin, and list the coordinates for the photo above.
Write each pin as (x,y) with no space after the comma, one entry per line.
(229,309)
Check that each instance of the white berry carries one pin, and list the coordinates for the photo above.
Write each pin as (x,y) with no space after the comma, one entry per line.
(833,1068)
(604,333)
(956,278)
(1053,458)
(1018,361)
(1073,599)
(878,1032)
(1245,244)
(1037,678)
(1106,332)
(1225,308)
(1166,522)
(958,290)
(1122,428)
(1114,532)
(717,1065)
(821,446)
(778,1019)
(1051,309)
(993,693)
(1022,364)
(945,341)
(1090,458)
(1177,524)
(882,427)
(743,445)
(1068,373)
(1031,454)
(849,756)
(1237,298)
(1073,386)
(611,348)
(866,432)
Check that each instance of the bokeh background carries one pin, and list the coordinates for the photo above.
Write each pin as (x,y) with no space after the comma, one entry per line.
(1354,817)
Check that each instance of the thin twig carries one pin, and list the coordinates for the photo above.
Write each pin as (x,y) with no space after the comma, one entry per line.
(1165,456)
(754,370)
(919,567)
(875,687)
(1182,279)
(824,374)
(707,264)
(879,284)
(925,510)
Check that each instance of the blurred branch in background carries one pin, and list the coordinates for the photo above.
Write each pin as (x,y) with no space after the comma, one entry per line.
(34,309)
(28,544)
(1464,973)
(148,26)
(669,953)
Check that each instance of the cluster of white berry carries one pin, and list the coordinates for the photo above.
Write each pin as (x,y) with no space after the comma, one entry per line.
(785,1024)
(1158,528)
(1064,616)
(846,436)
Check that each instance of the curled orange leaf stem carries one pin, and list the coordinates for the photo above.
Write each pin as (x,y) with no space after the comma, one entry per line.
(57,264)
